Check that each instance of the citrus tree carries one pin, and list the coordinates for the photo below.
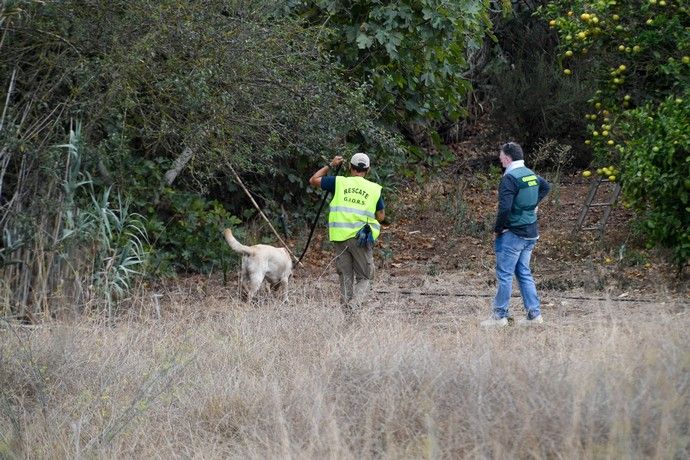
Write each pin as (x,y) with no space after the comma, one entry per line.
(638,53)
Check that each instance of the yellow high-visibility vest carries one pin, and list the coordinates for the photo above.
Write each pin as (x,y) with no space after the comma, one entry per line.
(352,206)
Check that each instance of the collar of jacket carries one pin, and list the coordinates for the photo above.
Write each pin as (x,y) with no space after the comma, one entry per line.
(515,164)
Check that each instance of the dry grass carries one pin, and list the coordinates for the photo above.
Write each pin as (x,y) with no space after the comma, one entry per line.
(215,379)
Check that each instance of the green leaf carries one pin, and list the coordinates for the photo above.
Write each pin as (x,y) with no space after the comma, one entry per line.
(364,41)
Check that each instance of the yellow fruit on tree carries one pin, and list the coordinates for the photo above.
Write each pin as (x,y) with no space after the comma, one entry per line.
(567,71)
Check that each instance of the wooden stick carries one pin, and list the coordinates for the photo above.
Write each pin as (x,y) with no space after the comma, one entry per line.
(239,181)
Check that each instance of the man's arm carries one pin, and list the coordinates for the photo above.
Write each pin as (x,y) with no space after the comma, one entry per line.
(507,190)
(380,210)
(315,179)
(544,188)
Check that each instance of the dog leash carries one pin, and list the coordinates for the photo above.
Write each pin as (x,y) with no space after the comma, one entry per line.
(316,219)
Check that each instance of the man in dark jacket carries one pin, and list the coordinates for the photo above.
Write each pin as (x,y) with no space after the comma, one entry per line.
(519,193)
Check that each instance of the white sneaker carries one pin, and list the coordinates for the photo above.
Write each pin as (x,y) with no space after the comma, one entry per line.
(530,322)
(494,322)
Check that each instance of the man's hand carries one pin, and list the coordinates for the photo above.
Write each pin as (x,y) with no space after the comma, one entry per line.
(315,180)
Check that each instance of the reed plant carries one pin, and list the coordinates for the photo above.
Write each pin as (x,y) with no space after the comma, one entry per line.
(74,248)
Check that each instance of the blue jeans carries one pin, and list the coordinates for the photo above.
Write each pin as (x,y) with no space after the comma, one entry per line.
(512,257)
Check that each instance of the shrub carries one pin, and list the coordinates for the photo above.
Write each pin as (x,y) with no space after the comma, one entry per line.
(657,171)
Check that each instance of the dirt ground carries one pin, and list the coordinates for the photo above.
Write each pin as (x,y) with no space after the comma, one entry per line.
(436,254)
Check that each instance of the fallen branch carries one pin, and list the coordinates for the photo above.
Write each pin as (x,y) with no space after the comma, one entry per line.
(180,163)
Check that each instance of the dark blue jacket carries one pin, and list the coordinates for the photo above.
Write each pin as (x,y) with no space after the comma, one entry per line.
(507,191)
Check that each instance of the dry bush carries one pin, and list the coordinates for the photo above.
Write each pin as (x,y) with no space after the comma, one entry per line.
(216,379)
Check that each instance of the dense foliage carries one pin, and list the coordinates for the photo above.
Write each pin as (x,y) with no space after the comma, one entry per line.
(657,170)
(639,54)
(169,96)
(413,52)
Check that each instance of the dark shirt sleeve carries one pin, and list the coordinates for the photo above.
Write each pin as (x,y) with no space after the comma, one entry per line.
(328,183)
(544,188)
(380,204)
(507,190)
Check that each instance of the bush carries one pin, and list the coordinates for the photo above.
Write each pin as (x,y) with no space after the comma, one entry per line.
(657,171)
(188,234)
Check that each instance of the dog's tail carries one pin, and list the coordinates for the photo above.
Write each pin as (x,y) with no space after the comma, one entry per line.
(236,245)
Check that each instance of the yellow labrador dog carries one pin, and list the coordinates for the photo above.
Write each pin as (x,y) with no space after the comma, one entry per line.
(260,262)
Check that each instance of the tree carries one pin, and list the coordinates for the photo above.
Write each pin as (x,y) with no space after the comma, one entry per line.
(639,54)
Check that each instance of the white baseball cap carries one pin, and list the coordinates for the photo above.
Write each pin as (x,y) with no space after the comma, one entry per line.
(359,159)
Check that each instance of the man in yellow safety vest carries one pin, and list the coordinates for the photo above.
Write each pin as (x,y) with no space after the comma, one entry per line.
(354,223)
